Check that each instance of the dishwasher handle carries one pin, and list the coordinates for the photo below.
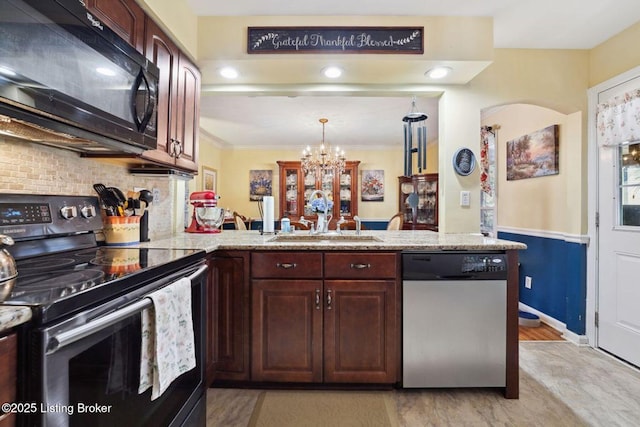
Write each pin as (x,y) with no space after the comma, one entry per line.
(456,277)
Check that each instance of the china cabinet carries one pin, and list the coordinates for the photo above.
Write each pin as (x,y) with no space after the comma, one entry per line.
(296,187)
(419,201)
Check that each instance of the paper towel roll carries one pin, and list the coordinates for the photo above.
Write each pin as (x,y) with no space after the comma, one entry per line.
(268,212)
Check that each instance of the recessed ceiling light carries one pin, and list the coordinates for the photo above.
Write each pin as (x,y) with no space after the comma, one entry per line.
(438,72)
(106,71)
(332,72)
(229,73)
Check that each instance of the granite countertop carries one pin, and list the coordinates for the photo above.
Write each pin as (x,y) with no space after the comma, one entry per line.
(384,240)
(11,316)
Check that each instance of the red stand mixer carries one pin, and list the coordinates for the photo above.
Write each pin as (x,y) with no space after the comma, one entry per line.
(207,216)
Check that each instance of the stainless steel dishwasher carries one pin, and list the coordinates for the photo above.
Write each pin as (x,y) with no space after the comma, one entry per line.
(454,319)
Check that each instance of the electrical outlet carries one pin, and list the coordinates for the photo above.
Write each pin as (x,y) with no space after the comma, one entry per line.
(527,282)
(156,195)
(465,198)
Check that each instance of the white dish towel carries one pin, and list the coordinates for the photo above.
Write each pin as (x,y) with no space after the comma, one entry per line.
(168,345)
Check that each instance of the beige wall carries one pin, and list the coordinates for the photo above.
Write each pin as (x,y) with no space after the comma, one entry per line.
(615,56)
(545,203)
(233,175)
(175,17)
(223,41)
(556,79)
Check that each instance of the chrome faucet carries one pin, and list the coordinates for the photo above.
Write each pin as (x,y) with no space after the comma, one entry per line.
(358,224)
(339,223)
(325,226)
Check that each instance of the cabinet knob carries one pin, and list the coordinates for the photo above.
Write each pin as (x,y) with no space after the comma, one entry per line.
(329,299)
(317,299)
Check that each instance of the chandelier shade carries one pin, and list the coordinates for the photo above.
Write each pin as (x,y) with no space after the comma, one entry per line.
(323,159)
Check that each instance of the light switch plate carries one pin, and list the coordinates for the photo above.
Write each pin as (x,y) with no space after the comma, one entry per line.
(465,198)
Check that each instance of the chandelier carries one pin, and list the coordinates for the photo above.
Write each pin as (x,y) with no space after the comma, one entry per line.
(323,160)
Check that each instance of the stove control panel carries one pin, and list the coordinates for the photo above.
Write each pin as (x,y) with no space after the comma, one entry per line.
(24,213)
(35,215)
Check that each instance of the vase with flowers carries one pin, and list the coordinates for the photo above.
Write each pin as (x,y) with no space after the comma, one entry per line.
(321,206)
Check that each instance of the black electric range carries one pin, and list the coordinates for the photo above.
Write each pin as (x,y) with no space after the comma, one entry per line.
(62,268)
(84,342)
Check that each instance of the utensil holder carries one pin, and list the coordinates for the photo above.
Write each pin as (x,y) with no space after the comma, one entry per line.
(121,230)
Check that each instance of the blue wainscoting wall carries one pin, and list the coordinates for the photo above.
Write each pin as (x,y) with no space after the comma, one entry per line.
(558,269)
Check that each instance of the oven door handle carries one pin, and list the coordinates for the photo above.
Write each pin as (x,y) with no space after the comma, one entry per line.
(63,339)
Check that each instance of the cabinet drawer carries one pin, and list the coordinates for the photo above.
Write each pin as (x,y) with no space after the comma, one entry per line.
(360,265)
(286,265)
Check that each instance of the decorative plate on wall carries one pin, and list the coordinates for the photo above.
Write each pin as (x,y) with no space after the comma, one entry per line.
(464,162)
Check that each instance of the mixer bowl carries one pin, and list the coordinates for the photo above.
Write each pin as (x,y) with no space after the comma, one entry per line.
(210,218)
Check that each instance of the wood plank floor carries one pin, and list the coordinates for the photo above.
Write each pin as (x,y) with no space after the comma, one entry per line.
(543,332)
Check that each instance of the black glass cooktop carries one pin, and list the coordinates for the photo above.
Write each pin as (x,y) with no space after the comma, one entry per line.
(87,276)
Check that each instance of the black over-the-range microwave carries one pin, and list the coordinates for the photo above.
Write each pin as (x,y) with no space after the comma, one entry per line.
(69,81)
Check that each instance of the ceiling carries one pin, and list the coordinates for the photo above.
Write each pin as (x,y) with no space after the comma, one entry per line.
(375,121)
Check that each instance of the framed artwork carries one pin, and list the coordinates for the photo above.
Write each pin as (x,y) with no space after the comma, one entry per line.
(533,155)
(209,179)
(260,184)
(372,189)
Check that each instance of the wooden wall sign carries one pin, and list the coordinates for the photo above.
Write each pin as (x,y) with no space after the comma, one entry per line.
(398,40)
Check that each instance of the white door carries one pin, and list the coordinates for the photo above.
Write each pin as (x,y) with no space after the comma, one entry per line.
(619,243)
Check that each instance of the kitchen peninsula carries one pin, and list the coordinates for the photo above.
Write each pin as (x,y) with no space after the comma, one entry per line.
(283,308)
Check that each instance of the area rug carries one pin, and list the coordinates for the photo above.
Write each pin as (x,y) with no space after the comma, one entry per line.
(323,408)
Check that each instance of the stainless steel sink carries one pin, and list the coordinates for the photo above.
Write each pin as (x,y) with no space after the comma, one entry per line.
(333,237)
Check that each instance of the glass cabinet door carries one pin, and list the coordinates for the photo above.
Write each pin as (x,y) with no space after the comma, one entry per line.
(291,192)
(426,202)
(309,187)
(406,188)
(345,185)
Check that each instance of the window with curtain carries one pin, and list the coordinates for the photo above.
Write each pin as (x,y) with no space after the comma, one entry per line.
(488,182)
(618,125)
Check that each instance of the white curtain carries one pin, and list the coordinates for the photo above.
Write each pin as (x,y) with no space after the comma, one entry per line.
(618,120)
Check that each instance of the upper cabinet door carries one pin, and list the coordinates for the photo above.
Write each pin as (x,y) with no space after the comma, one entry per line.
(164,53)
(188,113)
(124,17)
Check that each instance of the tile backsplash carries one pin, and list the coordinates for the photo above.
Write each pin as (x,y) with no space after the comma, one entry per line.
(38,169)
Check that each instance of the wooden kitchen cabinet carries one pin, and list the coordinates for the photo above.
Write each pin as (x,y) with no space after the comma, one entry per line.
(177,121)
(124,17)
(360,331)
(287,330)
(8,376)
(336,324)
(361,326)
(296,187)
(425,215)
(228,318)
